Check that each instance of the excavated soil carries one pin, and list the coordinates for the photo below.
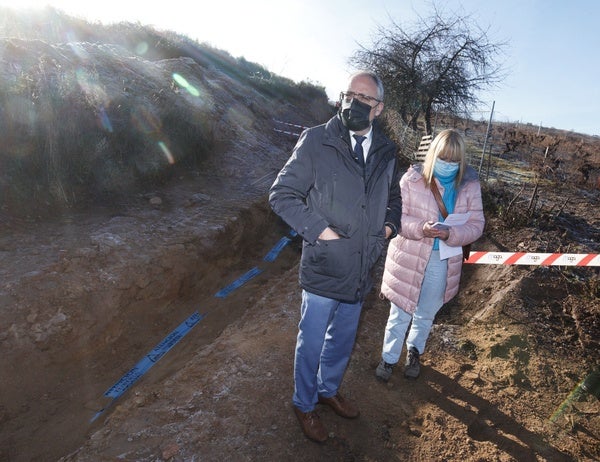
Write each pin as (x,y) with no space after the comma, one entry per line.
(86,296)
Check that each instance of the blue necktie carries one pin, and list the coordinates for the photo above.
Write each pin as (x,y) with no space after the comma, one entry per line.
(358,149)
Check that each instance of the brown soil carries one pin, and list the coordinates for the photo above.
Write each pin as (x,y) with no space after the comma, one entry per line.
(85,297)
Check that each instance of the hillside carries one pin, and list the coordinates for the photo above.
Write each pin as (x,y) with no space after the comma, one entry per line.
(134,190)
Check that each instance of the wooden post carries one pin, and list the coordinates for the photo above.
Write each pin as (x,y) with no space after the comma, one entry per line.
(487,134)
(489,163)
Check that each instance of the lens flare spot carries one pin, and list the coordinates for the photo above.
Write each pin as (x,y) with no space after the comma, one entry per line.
(78,50)
(141,48)
(104,120)
(167,152)
(180,80)
(88,84)
(240,117)
(183,83)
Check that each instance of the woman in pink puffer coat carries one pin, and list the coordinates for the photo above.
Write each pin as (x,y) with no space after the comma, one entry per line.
(415,280)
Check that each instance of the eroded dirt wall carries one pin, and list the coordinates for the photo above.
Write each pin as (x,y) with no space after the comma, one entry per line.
(103,294)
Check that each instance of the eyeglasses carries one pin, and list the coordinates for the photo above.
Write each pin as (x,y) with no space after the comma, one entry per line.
(350,95)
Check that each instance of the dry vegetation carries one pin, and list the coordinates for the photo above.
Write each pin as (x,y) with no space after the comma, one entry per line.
(92,114)
(133,178)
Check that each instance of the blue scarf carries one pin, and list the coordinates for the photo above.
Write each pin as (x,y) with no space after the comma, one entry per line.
(449,198)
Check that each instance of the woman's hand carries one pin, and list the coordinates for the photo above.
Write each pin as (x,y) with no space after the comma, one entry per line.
(429,230)
(388,232)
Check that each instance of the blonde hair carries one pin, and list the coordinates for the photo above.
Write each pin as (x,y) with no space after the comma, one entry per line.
(451,146)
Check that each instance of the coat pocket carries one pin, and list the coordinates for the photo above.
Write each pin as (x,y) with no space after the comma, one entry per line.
(331,258)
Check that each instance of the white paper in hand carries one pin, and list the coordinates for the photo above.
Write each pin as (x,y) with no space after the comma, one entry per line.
(454,219)
(447,251)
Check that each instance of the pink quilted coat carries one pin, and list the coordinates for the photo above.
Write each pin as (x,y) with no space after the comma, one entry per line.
(408,253)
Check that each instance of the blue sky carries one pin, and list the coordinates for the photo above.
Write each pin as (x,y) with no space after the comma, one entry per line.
(550,57)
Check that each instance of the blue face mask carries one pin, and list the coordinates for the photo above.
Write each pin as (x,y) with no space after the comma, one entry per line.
(445,170)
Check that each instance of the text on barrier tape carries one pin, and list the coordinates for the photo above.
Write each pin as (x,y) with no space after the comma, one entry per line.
(238,283)
(274,252)
(151,358)
(542,259)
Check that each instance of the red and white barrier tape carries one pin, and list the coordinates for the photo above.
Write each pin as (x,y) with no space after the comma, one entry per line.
(286,132)
(291,125)
(542,259)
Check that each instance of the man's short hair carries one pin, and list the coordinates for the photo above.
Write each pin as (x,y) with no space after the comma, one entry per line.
(376,79)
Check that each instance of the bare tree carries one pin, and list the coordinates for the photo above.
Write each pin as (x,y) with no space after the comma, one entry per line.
(439,65)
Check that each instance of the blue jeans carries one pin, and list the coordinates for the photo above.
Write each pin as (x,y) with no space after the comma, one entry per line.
(326,334)
(430,301)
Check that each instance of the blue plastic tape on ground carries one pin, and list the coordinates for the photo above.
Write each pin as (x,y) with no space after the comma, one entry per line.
(274,252)
(238,283)
(151,358)
(163,347)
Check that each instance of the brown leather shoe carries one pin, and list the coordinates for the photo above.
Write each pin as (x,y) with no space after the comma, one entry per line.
(341,406)
(311,425)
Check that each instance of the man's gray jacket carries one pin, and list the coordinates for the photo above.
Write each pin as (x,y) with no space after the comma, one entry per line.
(323,185)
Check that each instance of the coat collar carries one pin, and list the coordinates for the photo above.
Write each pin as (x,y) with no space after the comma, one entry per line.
(336,130)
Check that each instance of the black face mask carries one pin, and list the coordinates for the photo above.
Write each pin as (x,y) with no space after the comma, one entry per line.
(356,116)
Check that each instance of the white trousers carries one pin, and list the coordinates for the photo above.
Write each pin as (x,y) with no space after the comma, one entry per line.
(430,301)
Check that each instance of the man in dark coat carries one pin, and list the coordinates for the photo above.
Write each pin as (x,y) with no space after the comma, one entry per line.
(340,192)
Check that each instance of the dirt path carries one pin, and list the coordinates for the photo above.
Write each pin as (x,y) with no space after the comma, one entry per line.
(485,393)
